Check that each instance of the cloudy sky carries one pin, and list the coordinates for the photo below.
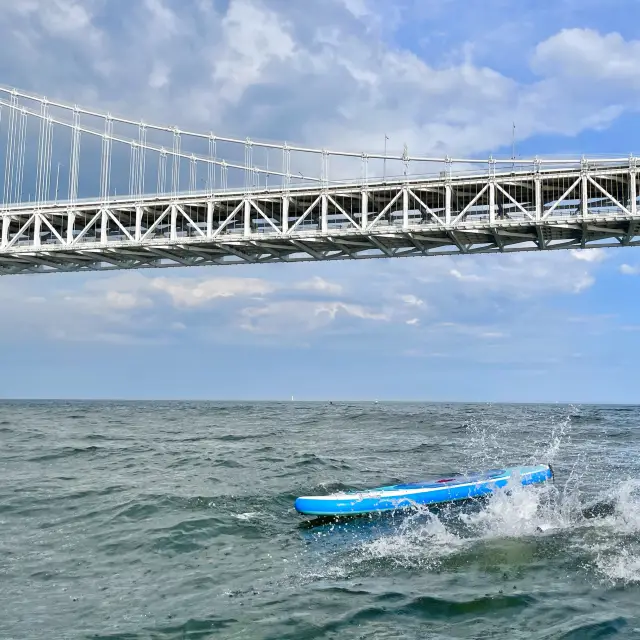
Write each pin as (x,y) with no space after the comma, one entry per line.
(446,77)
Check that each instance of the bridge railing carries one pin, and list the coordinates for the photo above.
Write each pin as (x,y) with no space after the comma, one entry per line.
(443,205)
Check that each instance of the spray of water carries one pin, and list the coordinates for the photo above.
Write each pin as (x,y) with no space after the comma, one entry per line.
(607,536)
(617,542)
(423,539)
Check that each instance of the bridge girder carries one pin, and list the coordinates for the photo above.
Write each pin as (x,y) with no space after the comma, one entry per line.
(483,213)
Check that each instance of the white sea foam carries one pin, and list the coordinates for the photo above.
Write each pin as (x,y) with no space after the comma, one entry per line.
(607,544)
(247,516)
(617,557)
(422,539)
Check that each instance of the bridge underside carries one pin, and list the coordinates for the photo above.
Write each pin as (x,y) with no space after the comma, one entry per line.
(508,212)
(393,244)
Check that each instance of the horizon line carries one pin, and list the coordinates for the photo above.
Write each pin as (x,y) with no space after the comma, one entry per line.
(294,400)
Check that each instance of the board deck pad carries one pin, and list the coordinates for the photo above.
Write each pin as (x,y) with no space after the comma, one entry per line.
(431,492)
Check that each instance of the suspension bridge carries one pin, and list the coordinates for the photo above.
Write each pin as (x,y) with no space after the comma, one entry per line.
(86,191)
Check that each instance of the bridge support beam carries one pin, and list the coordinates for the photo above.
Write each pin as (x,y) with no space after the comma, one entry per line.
(285,214)
(104,229)
(364,210)
(37,226)
(447,204)
(138,231)
(247,217)
(405,207)
(210,205)
(492,203)
(324,222)
(174,223)
(6,220)
(71,223)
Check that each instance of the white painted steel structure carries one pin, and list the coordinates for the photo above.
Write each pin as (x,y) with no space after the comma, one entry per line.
(246,204)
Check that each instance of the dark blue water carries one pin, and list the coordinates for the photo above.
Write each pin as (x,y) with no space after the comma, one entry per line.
(176,520)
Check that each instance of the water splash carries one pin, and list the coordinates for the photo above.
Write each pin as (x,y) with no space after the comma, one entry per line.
(602,526)
(617,556)
(249,515)
(490,442)
(622,566)
(513,511)
(422,539)
(627,515)
(559,438)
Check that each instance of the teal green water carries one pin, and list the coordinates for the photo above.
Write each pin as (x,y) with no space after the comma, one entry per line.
(176,520)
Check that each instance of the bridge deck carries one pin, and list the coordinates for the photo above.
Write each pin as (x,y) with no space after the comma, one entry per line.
(483,213)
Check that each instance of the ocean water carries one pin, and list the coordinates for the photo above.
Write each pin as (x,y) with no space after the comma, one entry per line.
(176,520)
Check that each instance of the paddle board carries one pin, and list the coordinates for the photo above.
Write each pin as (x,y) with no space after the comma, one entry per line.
(406,496)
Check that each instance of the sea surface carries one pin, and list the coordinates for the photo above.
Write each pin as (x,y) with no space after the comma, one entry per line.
(176,520)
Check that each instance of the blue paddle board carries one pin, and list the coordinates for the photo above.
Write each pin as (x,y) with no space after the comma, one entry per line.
(406,496)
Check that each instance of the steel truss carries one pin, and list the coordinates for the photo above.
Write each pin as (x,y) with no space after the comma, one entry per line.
(495,212)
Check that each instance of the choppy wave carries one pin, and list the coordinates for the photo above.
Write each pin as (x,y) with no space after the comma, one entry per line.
(605,541)
(177,521)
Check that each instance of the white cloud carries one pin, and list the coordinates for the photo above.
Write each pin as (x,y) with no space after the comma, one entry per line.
(413,322)
(316,73)
(358,8)
(286,318)
(354,310)
(516,275)
(159,76)
(628,270)
(576,54)
(186,292)
(119,300)
(589,255)
(471,277)
(57,24)
(476,331)
(163,21)
(320,285)
(584,282)
(66,18)
(111,304)
(253,37)
(104,337)
(412,301)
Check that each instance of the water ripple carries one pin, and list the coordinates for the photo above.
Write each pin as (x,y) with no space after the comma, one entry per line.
(176,520)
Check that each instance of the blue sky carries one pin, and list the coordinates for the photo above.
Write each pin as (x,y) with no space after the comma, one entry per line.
(444,77)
